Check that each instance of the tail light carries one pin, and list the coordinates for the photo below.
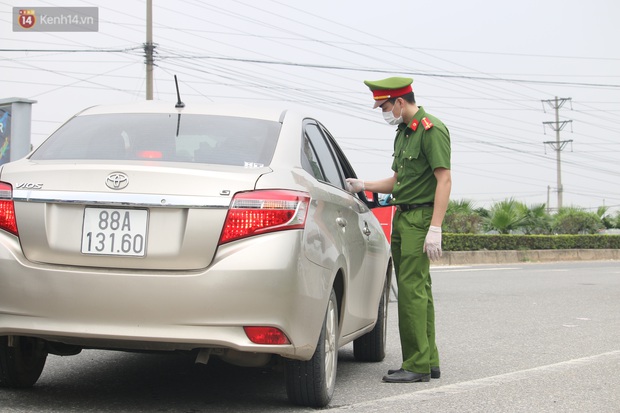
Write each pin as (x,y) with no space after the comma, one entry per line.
(259,212)
(7,209)
(150,154)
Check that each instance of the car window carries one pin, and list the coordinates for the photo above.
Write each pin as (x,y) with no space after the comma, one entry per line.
(341,160)
(324,156)
(347,171)
(164,137)
(309,160)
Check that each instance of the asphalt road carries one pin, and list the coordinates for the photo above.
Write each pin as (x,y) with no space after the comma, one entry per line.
(512,338)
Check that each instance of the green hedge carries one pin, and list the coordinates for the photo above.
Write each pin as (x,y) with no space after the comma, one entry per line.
(471,242)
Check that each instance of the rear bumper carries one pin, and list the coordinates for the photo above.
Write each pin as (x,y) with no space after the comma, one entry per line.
(264,281)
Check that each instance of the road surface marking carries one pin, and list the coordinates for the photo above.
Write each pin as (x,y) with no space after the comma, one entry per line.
(387,403)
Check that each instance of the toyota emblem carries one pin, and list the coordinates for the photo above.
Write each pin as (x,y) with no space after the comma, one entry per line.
(117,180)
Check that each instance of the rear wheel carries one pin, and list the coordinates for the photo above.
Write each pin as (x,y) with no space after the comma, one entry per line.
(311,383)
(21,363)
(371,346)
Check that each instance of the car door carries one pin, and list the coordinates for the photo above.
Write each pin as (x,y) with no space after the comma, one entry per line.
(356,229)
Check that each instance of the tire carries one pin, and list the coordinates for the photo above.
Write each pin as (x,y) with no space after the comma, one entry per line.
(311,383)
(22,364)
(371,346)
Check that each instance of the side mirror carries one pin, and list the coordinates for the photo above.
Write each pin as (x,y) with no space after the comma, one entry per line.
(371,199)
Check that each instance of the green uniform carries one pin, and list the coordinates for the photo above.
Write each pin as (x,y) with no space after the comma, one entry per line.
(419,148)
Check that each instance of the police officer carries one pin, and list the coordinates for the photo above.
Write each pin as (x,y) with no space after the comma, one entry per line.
(420,189)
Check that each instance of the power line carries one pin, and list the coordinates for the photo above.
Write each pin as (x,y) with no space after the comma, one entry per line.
(72,50)
(329,86)
(317,66)
(368,69)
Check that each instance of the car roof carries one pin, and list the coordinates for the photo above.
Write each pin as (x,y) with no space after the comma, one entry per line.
(265,112)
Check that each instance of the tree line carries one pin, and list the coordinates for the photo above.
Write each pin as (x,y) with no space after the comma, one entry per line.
(513,217)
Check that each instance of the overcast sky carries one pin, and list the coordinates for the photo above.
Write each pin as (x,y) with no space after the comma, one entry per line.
(483,67)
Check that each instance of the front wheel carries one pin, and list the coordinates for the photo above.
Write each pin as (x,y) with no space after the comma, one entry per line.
(371,346)
(22,362)
(311,383)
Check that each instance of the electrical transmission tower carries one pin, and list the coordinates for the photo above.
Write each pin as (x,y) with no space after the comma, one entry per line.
(557,145)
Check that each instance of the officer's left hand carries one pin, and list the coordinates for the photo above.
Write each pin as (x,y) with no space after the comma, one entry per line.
(432,243)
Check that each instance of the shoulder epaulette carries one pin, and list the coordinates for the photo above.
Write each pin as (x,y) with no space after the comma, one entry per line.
(427,123)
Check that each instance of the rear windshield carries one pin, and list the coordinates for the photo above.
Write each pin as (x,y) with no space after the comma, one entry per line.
(164,137)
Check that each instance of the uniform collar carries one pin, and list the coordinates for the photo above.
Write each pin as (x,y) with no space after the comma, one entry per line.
(415,122)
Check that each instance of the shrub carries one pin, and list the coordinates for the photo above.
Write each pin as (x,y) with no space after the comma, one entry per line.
(576,221)
(461,218)
(462,223)
(505,217)
(513,217)
(468,242)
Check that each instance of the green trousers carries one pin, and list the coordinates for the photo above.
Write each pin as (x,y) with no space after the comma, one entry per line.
(416,313)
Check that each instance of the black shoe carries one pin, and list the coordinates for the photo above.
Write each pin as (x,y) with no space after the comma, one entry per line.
(435,372)
(405,376)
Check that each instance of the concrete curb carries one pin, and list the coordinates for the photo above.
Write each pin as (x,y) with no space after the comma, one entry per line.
(504,257)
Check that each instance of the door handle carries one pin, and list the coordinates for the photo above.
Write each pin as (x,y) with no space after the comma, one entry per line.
(366,230)
(341,221)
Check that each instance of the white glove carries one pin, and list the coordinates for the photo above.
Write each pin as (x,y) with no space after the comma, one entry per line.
(432,243)
(355,185)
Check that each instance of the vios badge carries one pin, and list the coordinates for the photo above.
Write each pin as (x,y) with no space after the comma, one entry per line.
(117,180)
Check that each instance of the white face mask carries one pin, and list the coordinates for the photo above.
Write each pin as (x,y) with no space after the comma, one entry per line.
(391,119)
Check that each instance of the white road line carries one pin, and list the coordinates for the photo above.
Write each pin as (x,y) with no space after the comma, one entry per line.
(436,270)
(472,385)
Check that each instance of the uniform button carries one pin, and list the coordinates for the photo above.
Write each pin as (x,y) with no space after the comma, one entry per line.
(410,158)
(397,183)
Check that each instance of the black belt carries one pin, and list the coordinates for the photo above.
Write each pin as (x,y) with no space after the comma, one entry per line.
(409,207)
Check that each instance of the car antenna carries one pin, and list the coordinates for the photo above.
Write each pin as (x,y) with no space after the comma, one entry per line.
(179,103)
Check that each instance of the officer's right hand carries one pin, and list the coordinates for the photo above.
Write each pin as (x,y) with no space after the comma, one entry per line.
(355,185)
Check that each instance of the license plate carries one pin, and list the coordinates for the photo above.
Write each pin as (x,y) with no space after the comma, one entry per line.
(112,231)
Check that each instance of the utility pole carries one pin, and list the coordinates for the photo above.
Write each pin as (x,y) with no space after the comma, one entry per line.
(149,47)
(558,145)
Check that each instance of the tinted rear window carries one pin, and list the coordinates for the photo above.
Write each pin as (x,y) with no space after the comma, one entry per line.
(164,137)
